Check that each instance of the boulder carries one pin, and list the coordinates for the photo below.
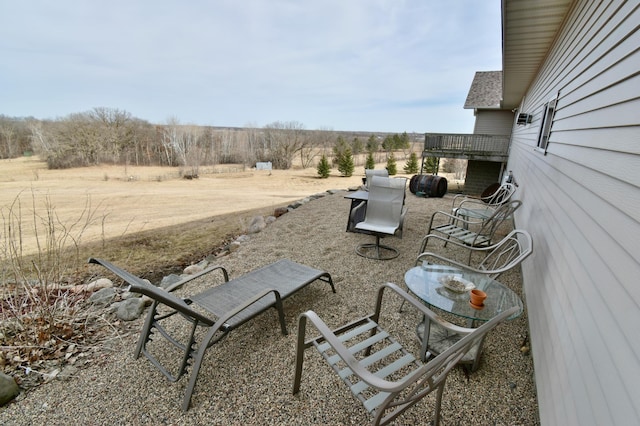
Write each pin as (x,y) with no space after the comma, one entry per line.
(130,309)
(93,286)
(280,211)
(103,296)
(192,269)
(8,389)
(169,279)
(257,224)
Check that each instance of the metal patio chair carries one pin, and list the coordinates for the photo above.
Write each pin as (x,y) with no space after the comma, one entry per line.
(384,376)
(493,260)
(369,173)
(219,309)
(384,216)
(483,207)
(474,233)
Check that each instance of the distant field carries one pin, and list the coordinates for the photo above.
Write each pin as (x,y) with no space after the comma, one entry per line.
(126,200)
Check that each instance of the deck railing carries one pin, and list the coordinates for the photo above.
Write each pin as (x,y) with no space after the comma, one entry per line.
(466,146)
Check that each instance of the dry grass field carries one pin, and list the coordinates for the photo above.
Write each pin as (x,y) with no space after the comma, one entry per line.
(146,217)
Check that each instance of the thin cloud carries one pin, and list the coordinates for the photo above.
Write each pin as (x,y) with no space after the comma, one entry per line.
(360,65)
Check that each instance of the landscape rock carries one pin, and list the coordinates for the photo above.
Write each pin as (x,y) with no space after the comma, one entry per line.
(193,269)
(128,295)
(67,372)
(233,246)
(270,219)
(295,204)
(8,388)
(93,286)
(257,224)
(130,309)
(169,279)
(279,211)
(103,296)
(243,239)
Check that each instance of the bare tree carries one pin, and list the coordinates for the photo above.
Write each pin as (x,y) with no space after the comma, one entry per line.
(183,142)
(42,141)
(284,140)
(115,132)
(14,136)
(7,137)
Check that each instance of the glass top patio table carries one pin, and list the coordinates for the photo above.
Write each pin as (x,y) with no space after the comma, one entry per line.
(424,282)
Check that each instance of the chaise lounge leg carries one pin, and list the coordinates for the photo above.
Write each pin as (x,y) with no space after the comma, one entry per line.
(146,330)
(204,345)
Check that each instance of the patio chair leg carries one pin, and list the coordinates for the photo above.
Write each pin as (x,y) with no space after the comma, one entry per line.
(436,420)
(363,249)
(300,346)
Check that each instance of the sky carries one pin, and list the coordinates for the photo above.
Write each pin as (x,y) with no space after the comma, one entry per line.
(353,65)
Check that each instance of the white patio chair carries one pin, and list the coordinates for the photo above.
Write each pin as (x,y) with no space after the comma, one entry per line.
(369,173)
(483,207)
(384,217)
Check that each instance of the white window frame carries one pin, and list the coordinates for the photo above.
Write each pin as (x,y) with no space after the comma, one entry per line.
(548,113)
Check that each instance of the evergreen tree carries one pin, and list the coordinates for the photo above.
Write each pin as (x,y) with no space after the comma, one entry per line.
(403,141)
(391,165)
(370,163)
(339,149)
(323,167)
(411,168)
(372,143)
(345,163)
(356,146)
(432,165)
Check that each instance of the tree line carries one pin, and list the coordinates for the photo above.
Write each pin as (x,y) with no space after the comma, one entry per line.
(113,136)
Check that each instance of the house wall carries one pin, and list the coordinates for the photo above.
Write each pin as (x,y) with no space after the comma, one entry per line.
(581,203)
(493,122)
(481,174)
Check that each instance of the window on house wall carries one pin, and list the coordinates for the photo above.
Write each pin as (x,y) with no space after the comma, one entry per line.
(547,120)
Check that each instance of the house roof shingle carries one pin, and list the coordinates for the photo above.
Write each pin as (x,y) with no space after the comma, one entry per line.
(485,91)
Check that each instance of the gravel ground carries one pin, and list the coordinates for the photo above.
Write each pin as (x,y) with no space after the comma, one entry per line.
(247,378)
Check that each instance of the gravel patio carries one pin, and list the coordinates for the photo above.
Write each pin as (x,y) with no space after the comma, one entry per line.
(247,378)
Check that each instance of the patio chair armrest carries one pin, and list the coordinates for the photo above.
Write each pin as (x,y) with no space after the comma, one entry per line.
(459,198)
(453,220)
(354,211)
(427,256)
(230,314)
(472,203)
(159,295)
(328,336)
(458,244)
(179,284)
(420,306)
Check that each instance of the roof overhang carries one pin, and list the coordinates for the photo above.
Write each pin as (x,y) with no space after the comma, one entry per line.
(529,28)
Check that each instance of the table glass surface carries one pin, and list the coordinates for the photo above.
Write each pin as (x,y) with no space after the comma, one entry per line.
(424,282)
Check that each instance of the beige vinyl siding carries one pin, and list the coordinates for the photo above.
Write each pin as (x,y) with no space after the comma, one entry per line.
(582,206)
(493,122)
